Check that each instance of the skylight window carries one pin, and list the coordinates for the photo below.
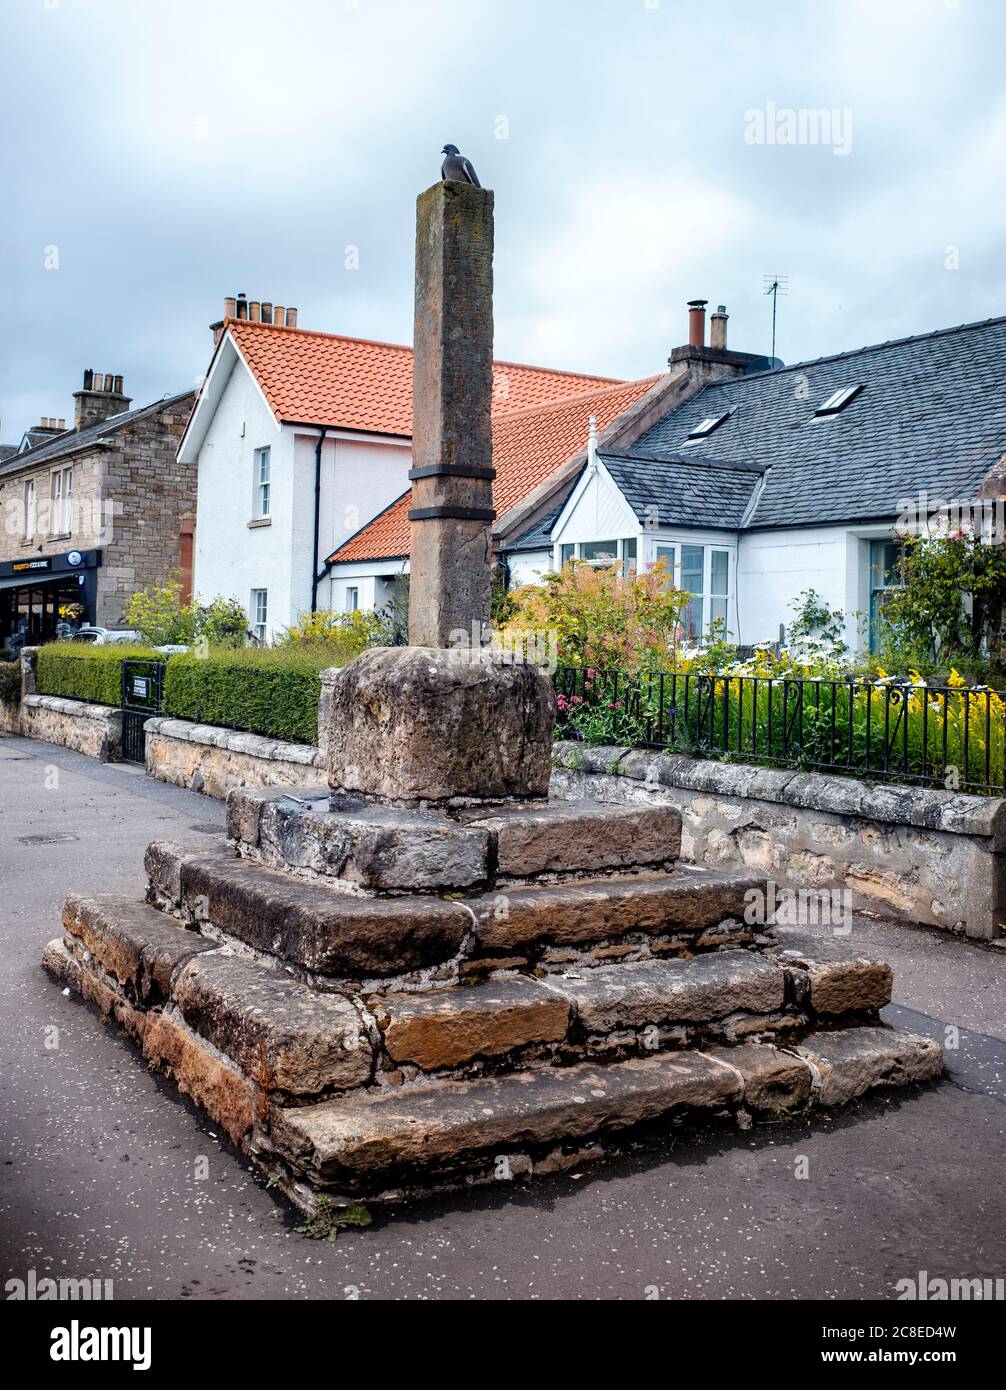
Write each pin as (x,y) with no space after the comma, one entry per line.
(707,425)
(838,400)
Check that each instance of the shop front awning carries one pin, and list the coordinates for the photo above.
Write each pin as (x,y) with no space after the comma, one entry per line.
(29,580)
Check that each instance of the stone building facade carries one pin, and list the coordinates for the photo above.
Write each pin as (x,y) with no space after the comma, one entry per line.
(94,514)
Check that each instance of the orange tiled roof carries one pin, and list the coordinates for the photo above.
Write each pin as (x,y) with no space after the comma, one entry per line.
(528,446)
(352,383)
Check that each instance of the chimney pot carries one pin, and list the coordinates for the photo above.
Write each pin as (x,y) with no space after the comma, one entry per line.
(88,379)
(279,314)
(291,318)
(697,322)
(118,385)
(718,328)
(61,422)
(230,307)
(266,311)
(242,306)
(254,310)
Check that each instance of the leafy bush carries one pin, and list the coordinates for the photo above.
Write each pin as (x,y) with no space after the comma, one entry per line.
(79,672)
(10,682)
(269,691)
(159,615)
(343,634)
(949,611)
(600,619)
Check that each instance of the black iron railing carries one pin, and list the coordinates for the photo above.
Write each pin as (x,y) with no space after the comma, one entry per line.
(945,736)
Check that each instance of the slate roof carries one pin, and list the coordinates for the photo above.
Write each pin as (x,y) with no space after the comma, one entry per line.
(528,446)
(73,440)
(931,416)
(685,491)
(6,451)
(356,383)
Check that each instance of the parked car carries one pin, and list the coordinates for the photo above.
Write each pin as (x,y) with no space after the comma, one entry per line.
(102,636)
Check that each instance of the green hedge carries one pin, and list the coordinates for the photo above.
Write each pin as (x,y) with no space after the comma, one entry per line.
(10,682)
(80,672)
(273,692)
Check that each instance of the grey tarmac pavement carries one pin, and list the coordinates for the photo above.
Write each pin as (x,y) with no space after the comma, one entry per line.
(100,1161)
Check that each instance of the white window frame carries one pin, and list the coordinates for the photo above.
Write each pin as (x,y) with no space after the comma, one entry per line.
(707,596)
(262,497)
(259,611)
(352,602)
(30,510)
(61,501)
(620,560)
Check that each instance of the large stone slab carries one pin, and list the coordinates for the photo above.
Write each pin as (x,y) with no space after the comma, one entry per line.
(687,900)
(383,848)
(700,990)
(448,1027)
(281,1033)
(141,947)
(369,1139)
(229,1097)
(415,725)
(833,976)
(579,837)
(775,1082)
(852,1061)
(309,923)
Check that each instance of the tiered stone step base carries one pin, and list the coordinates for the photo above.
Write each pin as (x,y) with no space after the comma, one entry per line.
(541,983)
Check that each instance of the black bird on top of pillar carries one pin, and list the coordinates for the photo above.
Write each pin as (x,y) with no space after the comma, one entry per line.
(456,166)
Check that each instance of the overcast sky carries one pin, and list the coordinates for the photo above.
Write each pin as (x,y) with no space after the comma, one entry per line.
(166,153)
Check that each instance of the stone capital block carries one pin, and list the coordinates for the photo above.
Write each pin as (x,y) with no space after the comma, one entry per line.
(424,725)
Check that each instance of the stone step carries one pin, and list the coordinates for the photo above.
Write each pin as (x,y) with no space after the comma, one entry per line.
(306,922)
(381,1143)
(702,990)
(382,848)
(280,1032)
(136,945)
(830,975)
(576,837)
(688,900)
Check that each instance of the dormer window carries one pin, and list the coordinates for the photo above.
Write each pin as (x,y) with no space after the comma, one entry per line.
(838,400)
(706,426)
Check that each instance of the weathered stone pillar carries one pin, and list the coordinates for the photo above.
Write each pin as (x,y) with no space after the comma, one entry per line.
(452,511)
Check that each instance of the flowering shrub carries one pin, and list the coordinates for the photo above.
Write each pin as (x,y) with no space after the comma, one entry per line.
(600,618)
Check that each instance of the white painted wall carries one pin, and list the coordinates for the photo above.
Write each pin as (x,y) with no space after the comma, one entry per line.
(232,558)
(360,476)
(775,567)
(528,566)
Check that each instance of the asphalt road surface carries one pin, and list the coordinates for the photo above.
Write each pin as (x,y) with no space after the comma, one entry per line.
(102,1174)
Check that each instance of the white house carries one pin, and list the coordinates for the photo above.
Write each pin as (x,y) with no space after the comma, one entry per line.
(303,438)
(762,487)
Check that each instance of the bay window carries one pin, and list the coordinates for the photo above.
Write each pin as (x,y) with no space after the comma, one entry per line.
(704,572)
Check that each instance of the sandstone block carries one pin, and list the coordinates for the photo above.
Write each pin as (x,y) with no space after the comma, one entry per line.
(774,1081)
(139,946)
(318,927)
(419,724)
(839,979)
(280,1032)
(687,900)
(854,1060)
(579,836)
(384,848)
(369,1138)
(675,991)
(224,1092)
(448,1027)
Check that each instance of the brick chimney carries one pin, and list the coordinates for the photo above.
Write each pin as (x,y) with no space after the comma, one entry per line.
(255,311)
(718,328)
(100,398)
(712,361)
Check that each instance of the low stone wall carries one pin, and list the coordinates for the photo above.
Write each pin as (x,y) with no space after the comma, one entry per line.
(213,761)
(935,857)
(95,730)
